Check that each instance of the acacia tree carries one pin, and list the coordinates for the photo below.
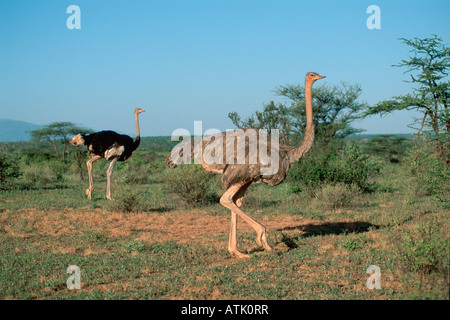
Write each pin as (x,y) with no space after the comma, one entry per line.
(273,116)
(58,133)
(334,109)
(428,70)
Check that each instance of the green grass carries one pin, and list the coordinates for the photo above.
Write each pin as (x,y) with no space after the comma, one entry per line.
(146,244)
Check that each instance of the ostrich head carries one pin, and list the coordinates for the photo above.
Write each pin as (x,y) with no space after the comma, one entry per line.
(138,110)
(77,140)
(312,76)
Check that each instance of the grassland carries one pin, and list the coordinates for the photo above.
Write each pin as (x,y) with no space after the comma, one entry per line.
(147,244)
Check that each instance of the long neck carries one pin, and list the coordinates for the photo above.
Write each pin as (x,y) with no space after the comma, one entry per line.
(308,137)
(137,141)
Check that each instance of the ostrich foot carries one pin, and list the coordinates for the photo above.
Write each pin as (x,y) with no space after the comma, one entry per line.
(88,193)
(261,240)
(238,253)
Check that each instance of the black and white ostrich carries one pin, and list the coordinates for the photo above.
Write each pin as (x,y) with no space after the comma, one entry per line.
(109,145)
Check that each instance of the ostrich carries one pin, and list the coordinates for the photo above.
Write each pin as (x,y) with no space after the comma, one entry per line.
(109,145)
(238,176)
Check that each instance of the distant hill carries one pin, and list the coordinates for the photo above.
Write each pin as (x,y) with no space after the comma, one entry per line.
(13,130)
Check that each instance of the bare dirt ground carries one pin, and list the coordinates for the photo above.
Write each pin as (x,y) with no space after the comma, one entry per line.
(192,226)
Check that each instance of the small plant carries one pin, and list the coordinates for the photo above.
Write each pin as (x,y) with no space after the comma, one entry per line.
(351,245)
(127,202)
(423,248)
(136,246)
(191,184)
(80,164)
(332,197)
(133,172)
(97,237)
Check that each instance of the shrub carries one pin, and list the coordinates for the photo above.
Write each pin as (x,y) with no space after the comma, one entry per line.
(38,174)
(390,148)
(79,165)
(132,173)
(423,247)
(332,197)
(9,168)
(127,202)
(59,169)
(191,183)
(352,166)
(430,175)
(348,165)
(310,172)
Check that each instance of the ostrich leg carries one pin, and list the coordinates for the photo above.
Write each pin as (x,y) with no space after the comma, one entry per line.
(91,183)
(232,243)
(108,178)
(227,200)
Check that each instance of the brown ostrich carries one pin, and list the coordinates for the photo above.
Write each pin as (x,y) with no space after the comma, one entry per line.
(109,145)
(237,175)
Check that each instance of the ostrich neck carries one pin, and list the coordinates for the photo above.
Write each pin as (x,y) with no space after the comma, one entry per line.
(136,121)
(308,137)
(308,104)
(138,136)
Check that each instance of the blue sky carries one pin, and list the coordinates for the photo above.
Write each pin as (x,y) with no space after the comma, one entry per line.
(191,60)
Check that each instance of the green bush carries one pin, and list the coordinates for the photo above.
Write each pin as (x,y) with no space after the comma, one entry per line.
(348,165)
(423,248)
(38,174)
(43,173)
(337,196)
(9,169)
(354,167)
(390,148)
(192,184)
(126,201)
(430,175)
(133,174)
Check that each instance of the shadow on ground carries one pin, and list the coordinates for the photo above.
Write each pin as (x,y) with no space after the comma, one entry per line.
(310,230)
(327,228)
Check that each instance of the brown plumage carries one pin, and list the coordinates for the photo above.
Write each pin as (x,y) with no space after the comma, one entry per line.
(254,157)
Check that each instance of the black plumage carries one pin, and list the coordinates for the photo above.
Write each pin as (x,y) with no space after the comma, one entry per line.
(100,142)
(109,145)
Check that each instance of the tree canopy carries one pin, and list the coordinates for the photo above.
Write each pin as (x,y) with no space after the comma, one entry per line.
(334,109)
(428,71)
(58,133)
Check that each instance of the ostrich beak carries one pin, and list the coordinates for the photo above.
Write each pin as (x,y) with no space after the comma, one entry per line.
(321,77)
